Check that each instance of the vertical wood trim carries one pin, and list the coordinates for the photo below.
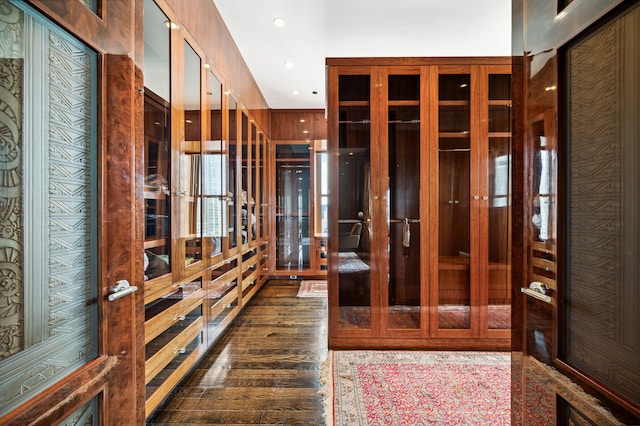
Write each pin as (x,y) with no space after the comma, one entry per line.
(426,212)
(118,253)
(334,169)
(434,190)
(378,183)
(381,86)
(482,169)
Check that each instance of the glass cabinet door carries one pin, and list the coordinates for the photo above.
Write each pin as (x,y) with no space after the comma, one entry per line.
(403,166)
(262,198)
(293,190)
(191,162)
(214,173)
(252,212)
(157,147)
(245,178)
(353,195)
(499,172)
(232,174)
(454,195)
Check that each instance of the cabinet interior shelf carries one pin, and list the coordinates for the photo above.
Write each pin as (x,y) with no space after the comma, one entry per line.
(464,134)
(159,242)
(353,103)
(154,195)
(404,103)
(464,103)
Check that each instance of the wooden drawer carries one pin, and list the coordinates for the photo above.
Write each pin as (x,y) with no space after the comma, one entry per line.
(167,378)
(174,342)
(171,314)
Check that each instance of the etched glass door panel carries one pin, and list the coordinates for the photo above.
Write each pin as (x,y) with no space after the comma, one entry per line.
(214,173)
(454,241)
(49,210)
(355,210)
(190,185)
(600,327)
(499,283)
(403,202)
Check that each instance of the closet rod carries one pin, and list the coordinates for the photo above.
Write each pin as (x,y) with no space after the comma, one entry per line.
(365,121)
(454,150)
(412,121)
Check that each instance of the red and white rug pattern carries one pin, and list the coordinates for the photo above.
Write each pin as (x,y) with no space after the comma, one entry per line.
(313,288)
(420,388)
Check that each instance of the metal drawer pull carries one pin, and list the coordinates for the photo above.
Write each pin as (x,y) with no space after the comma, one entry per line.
(122,288)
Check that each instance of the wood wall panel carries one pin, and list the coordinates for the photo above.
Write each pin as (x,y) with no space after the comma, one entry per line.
(295,125)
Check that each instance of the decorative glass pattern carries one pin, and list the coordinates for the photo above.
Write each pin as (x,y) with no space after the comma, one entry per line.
(48,205)
(87,415)
(91,5)
(602,235)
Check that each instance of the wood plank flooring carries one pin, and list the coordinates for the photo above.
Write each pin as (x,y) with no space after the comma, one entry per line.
(264,370)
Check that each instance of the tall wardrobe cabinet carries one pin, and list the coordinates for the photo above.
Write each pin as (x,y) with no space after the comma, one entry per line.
(419,203)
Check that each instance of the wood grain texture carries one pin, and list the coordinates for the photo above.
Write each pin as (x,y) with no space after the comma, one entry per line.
(264,370)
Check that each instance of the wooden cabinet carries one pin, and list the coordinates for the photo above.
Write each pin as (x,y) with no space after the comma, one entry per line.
(206,205)
(419,190)
(294,206)
(301,206)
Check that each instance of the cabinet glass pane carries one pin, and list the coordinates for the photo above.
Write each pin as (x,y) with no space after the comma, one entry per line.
(499,303)
(293,244)
(322,188)
(244,179)
(232,195)
(190,161)
(253,183)
(262,199)
(454,287)
(354,211)
(157,152)
(403,208)
(214,173)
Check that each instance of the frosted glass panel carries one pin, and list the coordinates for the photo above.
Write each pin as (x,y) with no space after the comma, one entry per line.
(48,213)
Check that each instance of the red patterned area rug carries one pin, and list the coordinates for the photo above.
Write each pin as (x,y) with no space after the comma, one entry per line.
(417,388)
(313,288)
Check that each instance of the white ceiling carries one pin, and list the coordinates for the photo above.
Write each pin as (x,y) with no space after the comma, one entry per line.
(317,29)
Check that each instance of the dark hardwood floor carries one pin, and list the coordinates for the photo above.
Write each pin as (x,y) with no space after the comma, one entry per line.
(264,370)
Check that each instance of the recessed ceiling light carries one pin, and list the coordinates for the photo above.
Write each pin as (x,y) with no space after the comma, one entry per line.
(278,22)
(295,92)
(288,65)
